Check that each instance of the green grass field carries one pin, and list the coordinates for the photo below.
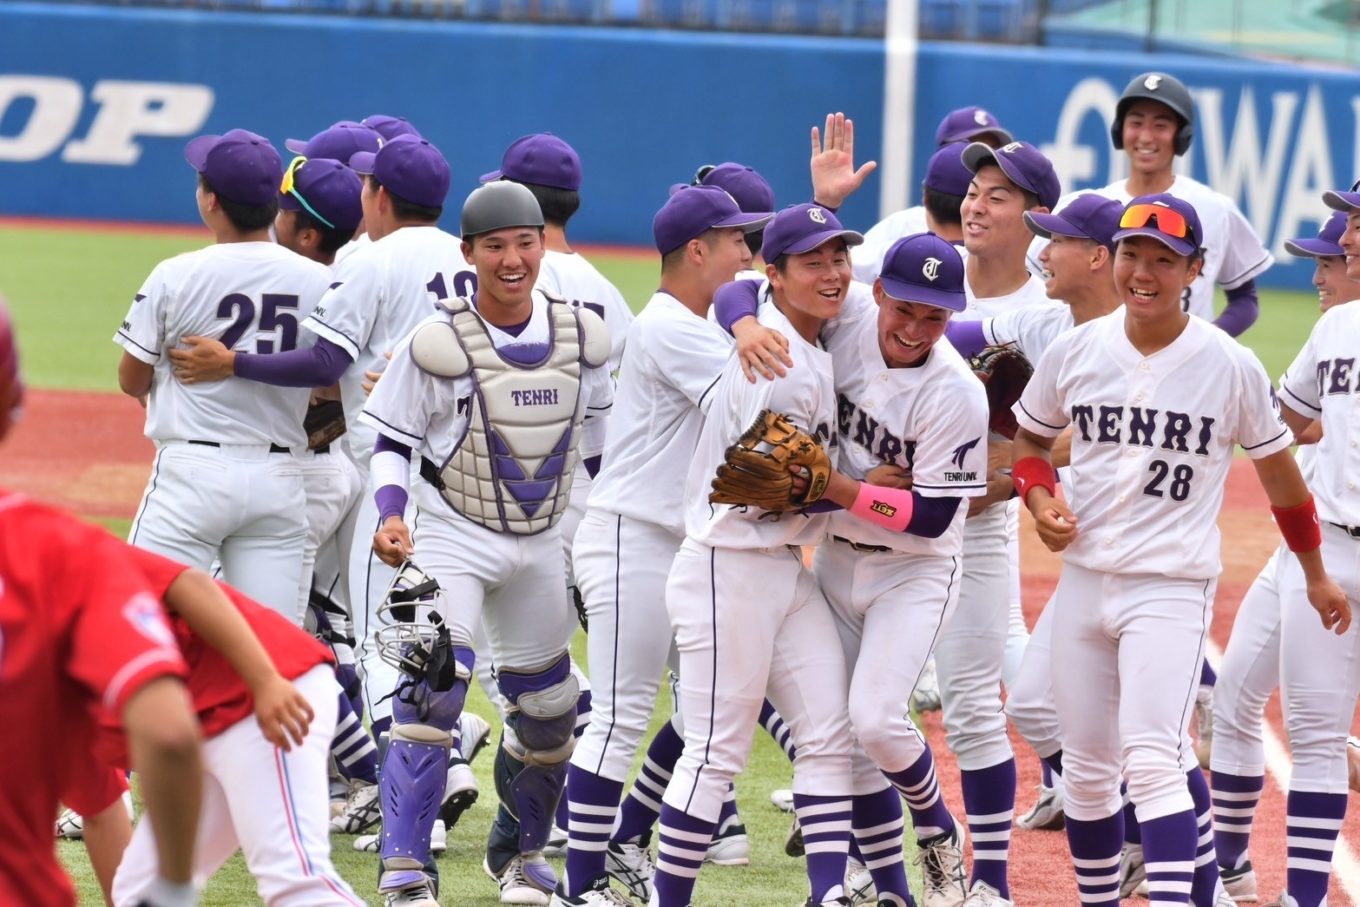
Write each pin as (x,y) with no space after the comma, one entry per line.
(69,289)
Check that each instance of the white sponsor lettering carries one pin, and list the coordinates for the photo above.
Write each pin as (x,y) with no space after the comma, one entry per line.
(56,107)
(1242,173)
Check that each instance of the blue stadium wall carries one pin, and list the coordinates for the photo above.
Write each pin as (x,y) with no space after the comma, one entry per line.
(96,102)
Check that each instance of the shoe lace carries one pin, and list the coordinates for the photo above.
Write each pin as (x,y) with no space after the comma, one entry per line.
(637,858)
(935,863)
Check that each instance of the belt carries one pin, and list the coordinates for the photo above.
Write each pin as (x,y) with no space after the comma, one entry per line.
(430,473)
(876,549)
(322,448)
(1352,531)
(273,448)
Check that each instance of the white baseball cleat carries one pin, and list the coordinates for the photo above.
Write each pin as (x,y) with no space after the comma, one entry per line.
(1240,883)
(473,732)
(782,798)
(630,864)
(71,825)
(984,895)
(362,810)
(943,876)
(859,883)
(416,896)
(524,880)
(439,840)
(1204,724)
(1132,870)
(1284,900)
(1047,812)
(460,791)
(598,895)
(730,846)
(926,696)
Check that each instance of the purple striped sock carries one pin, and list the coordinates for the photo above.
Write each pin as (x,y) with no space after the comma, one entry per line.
(684,842)
(826,838)
(1095,847)
(561,818)
(1313,822)
(1207,677)
(877,820)
(1045,774)
(592,806)
(355,755)
(919,786)
(989,798)
(1169,846)
(1206,861)
(643,803)
(729,808)
(1234,798)
(773,722)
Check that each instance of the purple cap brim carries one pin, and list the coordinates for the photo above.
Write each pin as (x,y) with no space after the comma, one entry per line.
(1045,225)
(362,162)
(1341,201)
(808,243)
(1179,246)
(747,221)
(297,146)
(490,177)
(196,152)
(910,292)
(1312,247)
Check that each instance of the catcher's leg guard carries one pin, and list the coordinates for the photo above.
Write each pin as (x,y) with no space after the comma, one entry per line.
(531,765)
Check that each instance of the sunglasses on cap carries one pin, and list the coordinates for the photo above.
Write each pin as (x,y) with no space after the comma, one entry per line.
(1167,220)
(289,187)
(701,173)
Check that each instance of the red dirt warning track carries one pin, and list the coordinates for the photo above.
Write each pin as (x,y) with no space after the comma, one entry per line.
(86,452)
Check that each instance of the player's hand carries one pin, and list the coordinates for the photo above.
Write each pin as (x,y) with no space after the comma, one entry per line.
(205,359)
(834,177)
(371,378)
(392,542)
(283,713)
(760,350)
(889,475)
(1056,525)
(1330,603)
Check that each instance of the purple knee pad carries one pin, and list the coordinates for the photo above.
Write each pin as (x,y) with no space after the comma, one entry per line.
(537,744)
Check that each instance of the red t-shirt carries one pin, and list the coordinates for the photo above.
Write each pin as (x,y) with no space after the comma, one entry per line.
(79,628)
(220,696)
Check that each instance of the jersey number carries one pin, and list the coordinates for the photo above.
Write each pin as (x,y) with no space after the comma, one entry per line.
(276,314)
(464,285)
(1179,487)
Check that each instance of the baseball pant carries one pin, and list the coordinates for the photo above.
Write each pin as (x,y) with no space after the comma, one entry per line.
(331,483)
(889,609)
(1029,697)
(1017,634)
(1125,666)
(238,504)
(750,624)
(368,581)
(271,805)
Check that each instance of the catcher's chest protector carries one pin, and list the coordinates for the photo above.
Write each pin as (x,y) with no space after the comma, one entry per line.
(512,472)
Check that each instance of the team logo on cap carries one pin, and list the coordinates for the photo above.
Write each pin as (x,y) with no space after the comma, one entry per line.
(980,117)
(1011,148)
(1152,82)
(816,215)
(931,269)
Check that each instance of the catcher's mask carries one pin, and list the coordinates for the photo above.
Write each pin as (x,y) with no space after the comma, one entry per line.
(414,638)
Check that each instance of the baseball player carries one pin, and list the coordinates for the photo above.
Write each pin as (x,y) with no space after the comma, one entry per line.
(1319,679)
(1154,123)
(81,632)
(225,485)
(630,536)
(500,393)
(388,128)
(1151,445)
(1250,670)
(942,191)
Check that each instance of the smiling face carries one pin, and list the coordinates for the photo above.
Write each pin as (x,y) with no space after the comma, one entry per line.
(1151,279)
(816,282)
(1068,264)
(907,330)
(1350,244)
(1149,135)
(993,214)
(507,264)
(1334,285)
(724,252)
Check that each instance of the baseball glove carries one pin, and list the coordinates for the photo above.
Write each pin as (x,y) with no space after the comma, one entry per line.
(324,422)
(1005,371)
(756,469)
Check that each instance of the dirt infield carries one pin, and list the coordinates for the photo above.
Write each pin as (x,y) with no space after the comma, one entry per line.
(86,452)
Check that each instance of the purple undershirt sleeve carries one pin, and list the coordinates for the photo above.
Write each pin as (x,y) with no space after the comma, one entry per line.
(930,517)
(734,301)
(1242,310)
(967,337)
(391,499)
(313,366)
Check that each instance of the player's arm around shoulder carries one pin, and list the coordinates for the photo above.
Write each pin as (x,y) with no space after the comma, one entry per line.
(409,396)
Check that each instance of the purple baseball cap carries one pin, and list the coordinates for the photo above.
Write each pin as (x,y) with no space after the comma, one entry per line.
(924,268)
(325,189)
(240,166)
(1088,216)
(408,167)
(542,159)
(751,190)
(802,228)
(1338,200)
(390,127)
(1023,164)
(967,123)
(338,141)
(946,171)
(1327,242)
(1161,217)
(694,210)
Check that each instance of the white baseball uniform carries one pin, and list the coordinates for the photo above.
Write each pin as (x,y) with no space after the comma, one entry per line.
(1151,445)
(1320,671)
(634,522)
(867,262)
(748,617)
(225,484)
(380,292)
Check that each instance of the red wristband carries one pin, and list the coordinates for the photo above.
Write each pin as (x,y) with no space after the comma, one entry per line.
(1299,525)
(1030,473)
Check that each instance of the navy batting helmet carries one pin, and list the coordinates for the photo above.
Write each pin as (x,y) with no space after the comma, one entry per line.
(1164,89)
(497,205)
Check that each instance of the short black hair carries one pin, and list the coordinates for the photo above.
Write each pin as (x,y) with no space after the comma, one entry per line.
(246,218)
(943,207)
(332,238)
(558,205)
(407,210)
(754,240)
